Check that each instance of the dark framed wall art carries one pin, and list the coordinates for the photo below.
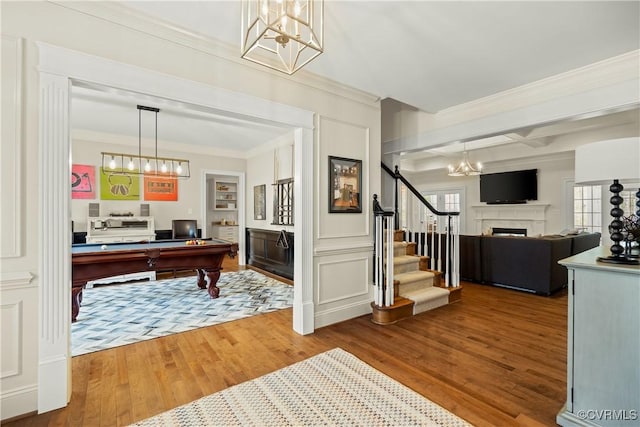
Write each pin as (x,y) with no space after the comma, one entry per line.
(345,185)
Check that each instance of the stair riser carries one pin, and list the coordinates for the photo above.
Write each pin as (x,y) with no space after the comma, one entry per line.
(430,305)
(405,267)
(414,286)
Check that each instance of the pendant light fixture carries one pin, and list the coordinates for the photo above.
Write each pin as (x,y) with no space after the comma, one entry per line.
(283,35)
(465,168)
(145,164)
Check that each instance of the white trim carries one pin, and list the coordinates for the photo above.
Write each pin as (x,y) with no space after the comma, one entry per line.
(58,68)
(567,203)
(242,206)
(610,70)
(342,313)
(367,281)
(119,14)
(615,97)
(304,309)
(18,401)
(15,280)
(12,150)
(366,179)
(54,270)
(342,249)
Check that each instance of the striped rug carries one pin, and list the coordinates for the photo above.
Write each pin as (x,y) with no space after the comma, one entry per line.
(119,314)
(334,388)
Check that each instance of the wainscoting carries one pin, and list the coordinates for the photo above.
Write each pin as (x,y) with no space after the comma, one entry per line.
(264,251)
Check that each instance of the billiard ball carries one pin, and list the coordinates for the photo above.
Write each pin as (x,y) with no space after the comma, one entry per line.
(103,247)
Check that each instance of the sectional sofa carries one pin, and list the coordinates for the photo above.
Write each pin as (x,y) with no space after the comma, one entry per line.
(526,263)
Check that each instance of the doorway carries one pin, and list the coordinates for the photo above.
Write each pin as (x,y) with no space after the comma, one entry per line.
(59,69)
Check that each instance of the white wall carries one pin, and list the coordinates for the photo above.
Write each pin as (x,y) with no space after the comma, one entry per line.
(265,165)
(124,39)
(553,172)
(188,206)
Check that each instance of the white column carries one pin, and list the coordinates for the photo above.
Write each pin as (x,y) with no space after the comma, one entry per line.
(54,386)
(303,308)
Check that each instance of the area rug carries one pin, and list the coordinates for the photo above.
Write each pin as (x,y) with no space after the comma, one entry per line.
(120,314)
(334,388)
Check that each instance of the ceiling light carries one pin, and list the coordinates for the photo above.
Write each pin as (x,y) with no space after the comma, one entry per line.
(178,168)
(283,35)
(465,168)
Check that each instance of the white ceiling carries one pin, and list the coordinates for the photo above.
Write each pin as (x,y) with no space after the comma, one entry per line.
(105,111)
(430,55)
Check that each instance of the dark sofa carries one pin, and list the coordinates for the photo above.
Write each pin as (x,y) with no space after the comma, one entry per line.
(528,263)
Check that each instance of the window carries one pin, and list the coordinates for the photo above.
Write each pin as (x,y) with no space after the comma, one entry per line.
(587,207)
(283,202)
(628,202)
(444,201)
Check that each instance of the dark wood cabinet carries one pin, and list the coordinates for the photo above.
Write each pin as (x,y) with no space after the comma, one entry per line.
(268,250)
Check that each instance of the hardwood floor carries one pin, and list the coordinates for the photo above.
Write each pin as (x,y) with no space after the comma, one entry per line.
(496,358)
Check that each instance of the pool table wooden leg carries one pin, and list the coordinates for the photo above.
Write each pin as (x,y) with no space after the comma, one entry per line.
(214,291)
(76,300)
(202,283)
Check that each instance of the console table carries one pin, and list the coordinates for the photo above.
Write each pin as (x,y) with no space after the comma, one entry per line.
(603,358)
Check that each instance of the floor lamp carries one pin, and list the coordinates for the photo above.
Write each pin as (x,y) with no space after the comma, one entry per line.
(614,161)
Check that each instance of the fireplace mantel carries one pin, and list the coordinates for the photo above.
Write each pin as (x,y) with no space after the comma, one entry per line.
(531,216)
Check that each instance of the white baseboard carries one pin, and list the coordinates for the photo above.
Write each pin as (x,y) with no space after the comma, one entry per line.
(19,401)
(340,314)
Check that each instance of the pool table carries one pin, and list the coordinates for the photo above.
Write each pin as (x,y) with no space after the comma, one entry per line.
(96,261)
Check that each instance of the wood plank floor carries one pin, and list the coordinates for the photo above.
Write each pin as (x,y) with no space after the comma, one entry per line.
(497,358)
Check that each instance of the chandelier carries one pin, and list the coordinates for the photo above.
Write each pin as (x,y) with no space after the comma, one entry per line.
(145,164)
(465,168)
(283,35)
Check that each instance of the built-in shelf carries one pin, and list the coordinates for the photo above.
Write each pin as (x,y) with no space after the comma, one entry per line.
(225,195)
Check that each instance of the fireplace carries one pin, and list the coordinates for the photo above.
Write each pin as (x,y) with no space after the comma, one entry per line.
(529,216)
(501,231)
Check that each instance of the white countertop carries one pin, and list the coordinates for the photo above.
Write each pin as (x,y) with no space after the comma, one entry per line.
(588,259)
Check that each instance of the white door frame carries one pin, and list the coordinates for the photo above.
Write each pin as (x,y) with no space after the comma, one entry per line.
(242,205)
(59,68)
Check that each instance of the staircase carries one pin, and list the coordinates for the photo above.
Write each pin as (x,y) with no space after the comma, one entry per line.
(416,289)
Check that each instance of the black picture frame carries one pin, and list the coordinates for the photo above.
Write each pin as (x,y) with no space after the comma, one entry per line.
(345,185)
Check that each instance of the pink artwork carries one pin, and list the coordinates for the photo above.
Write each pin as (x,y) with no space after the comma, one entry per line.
(83,182)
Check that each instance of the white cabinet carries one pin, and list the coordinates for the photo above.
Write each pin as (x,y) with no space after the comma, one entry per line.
(225,195)
(120,229)
(225,232)
(603,357)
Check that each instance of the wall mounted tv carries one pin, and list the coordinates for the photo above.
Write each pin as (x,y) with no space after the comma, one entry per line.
(509,187)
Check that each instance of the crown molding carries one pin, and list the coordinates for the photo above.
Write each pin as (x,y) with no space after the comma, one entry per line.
(610,71)
(117,13)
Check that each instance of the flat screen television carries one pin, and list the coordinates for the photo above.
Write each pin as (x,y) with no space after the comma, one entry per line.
(509,187)
(184,229)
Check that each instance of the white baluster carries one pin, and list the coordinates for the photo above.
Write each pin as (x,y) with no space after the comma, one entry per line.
(433,237)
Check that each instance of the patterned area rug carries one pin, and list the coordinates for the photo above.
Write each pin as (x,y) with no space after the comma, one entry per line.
(115,315)
(334,388)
